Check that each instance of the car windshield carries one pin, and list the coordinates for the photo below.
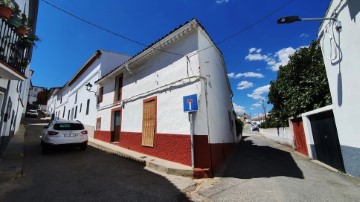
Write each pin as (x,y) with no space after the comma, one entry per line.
(68,126)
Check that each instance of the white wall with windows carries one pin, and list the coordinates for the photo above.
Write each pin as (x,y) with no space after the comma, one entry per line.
(74,101)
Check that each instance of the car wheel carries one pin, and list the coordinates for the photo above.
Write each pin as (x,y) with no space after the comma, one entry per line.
(83,147)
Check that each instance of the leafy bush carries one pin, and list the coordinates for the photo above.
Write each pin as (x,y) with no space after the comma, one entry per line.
(271,122)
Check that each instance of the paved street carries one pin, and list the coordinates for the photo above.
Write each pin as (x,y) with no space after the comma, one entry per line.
(91,175)
(261,170)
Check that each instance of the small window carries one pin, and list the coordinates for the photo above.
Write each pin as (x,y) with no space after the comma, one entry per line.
(75,112)
(87,106)
(63,115)
(69,115)
(98,123)
(100,96)
(118,88)
(75,98)
(80,107)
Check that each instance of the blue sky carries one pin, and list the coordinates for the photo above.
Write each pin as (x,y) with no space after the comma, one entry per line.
(252,43)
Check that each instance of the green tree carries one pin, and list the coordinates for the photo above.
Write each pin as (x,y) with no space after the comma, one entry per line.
(300,86)
(42,97)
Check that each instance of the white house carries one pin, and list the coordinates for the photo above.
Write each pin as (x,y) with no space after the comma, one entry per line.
(339,40)
(14,71)
(34,91)
(141,103)
(73,101)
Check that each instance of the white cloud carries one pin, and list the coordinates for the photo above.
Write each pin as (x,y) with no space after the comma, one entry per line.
(238,109)
(222,1)
(251,50)
(256,105)
(244,85)
(304,36)
(256,57)
(258,93)
(246,74)
(280,58)
(231,75)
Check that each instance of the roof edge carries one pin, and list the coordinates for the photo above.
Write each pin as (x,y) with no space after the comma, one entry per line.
(88,63)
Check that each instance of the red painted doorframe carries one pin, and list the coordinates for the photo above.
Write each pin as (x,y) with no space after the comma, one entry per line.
(112,126)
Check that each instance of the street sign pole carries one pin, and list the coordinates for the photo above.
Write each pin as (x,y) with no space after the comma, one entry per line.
(192,138)
(190,105)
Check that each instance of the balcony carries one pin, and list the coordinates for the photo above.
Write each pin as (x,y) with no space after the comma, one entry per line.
(14,53)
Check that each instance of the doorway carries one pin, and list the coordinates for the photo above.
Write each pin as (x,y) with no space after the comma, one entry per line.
(326,139)
(117,126)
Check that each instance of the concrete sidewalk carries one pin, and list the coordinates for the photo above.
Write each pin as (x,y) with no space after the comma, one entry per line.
(11,165)
(150,162)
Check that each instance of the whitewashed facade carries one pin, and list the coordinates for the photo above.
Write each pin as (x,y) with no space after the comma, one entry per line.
(73,101)
(182,63)
(15,73)
(33,93)
(341,56)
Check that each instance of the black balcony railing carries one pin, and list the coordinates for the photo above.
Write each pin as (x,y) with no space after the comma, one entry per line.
(12,49)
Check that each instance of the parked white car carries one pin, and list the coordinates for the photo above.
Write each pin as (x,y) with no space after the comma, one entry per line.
(64,132)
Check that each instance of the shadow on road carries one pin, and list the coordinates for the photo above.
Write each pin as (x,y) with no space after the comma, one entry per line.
(252,161)
(68,174)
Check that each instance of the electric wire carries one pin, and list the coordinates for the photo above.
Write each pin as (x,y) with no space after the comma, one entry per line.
(105,29)
(251,25)
(142,44)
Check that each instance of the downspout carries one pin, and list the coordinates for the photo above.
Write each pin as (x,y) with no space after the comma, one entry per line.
(207,123)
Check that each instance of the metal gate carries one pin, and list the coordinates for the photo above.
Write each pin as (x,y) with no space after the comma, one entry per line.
(326,139)
(299,136)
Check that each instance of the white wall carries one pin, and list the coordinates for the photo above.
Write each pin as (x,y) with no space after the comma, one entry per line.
(219,93)
(160,70)
(75,96)
(283,136)
(110,61)
(343,74)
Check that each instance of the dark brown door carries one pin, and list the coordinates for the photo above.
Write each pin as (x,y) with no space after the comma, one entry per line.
(117,126)
(299,136)
(326,140)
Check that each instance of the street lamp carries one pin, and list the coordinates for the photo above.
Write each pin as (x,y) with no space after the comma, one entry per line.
(88,86)
(292,19)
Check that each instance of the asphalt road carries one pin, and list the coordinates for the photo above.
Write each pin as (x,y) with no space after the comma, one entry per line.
(262,170)
(68,174)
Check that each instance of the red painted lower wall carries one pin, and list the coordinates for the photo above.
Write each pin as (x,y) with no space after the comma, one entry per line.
(176,148)
(209,157)
(170,147)
(102,135)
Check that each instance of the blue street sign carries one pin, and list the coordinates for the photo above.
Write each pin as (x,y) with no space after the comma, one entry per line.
(190,103)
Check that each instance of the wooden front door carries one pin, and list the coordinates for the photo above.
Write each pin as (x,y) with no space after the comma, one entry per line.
(299,136)
(149,123)
(117,126)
